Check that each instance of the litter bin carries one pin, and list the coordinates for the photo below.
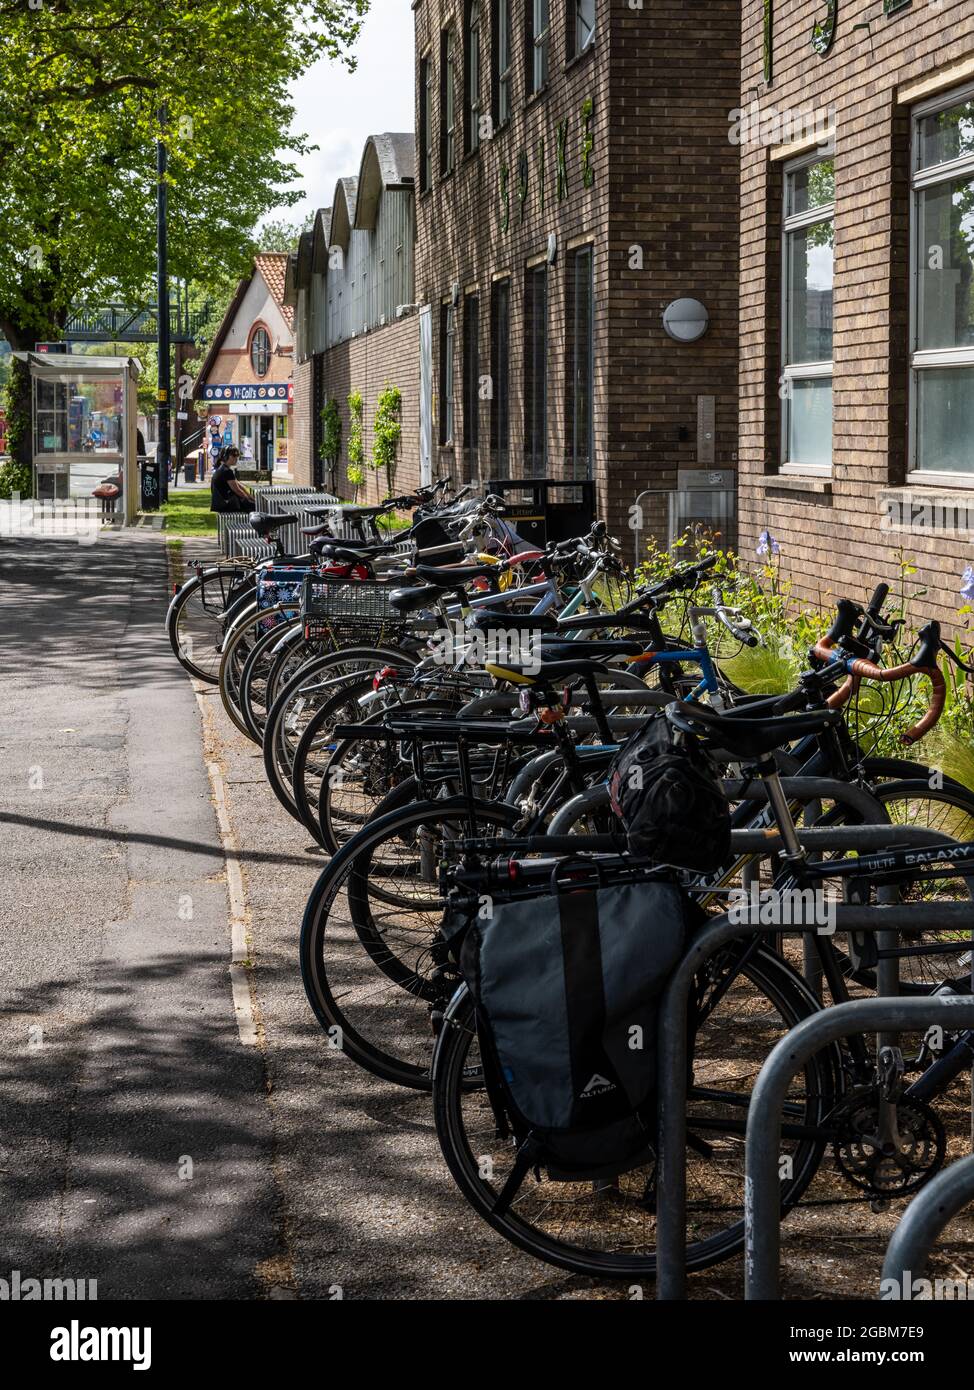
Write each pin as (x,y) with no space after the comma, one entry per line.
(150,485)
(544,510)
(189,471)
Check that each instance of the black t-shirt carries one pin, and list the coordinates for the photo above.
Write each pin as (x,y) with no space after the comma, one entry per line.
(222,496)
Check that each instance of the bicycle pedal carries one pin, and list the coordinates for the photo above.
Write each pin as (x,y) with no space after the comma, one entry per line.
(890,1069)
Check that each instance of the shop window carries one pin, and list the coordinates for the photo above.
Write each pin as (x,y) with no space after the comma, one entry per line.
(536,372)
(581,26)
(942,318)
(448,328)
(448,102)
(260,352)
(500,372)
(471,387)
(502,65)
(471,77)
(809,247)
(538,14)
(582,382)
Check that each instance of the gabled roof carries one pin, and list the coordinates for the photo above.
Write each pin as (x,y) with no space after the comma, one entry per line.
(291,281)
(273,266)
(321,242)
(343,212)
(388,161)
(273,269)
(303,274)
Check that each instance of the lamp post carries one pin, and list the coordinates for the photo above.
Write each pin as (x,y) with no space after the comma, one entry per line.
(163,408)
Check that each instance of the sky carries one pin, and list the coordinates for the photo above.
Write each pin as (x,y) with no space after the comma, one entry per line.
(339,110)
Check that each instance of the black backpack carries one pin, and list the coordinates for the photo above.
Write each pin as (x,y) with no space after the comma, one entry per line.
(567,990)
(664,789)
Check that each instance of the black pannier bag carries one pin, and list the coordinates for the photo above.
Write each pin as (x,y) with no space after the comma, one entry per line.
(664,789)
(567,990)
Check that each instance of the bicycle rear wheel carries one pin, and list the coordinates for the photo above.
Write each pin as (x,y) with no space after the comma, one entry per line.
(608,1230)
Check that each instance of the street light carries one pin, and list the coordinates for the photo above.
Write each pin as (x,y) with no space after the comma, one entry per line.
(163,407)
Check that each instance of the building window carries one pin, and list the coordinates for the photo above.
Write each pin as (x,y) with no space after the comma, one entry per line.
(260,352)
(426,124)
(448,316)
(536,372)
(502,65)
(539,33)
(471,387)
(809,244)
(581,26)
(582,382)
(942,332)
(471,78)
(448,102)
(500,373)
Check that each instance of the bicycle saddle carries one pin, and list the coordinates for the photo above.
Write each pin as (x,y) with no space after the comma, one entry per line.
(744,737)
(456,576)
(496,621)
(595,650)
(546,673)
(267,525)
(411,600)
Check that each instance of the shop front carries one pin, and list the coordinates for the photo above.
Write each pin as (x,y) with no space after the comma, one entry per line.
(256,420)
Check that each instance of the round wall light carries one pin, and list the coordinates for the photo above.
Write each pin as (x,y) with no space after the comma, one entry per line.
(686,320)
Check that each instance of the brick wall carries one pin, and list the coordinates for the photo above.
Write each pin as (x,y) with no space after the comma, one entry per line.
(302,434)
(366,364)
(664,177)
(832,534)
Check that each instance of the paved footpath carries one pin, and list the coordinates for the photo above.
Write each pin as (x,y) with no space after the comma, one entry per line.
(134,1130)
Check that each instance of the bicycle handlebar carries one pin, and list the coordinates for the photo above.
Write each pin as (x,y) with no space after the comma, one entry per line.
(741,632)
(860,669)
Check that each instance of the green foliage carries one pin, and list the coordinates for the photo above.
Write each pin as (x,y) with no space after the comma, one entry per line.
(387,432)
(84,82)
(279,235)
(355,472)
(15,478)
(880,714)
(331,436)
(16,402)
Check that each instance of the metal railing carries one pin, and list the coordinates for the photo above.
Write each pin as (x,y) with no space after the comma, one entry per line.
(762,1184)
(923,1223)
(721,932)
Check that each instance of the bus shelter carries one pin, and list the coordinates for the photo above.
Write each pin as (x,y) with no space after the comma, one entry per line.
(84,419)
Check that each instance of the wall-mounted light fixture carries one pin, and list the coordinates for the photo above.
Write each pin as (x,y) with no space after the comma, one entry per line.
(686,320)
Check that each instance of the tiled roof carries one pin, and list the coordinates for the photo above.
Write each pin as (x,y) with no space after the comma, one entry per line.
(273,266)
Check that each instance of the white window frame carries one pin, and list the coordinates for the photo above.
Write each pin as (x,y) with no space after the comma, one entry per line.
(541,40)
(505,61)
(578,48)
(472,71)
(450,104)
(803,371)
(931,357)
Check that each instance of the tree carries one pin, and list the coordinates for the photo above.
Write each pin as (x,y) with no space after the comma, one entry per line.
(89,86)
(282,236)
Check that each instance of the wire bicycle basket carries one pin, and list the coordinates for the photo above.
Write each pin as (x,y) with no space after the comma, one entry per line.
(347,609)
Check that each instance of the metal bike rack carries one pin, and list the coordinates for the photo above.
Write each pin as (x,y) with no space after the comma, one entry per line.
(925,1219)
(672,1063)
(802,789)
(762,1199)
